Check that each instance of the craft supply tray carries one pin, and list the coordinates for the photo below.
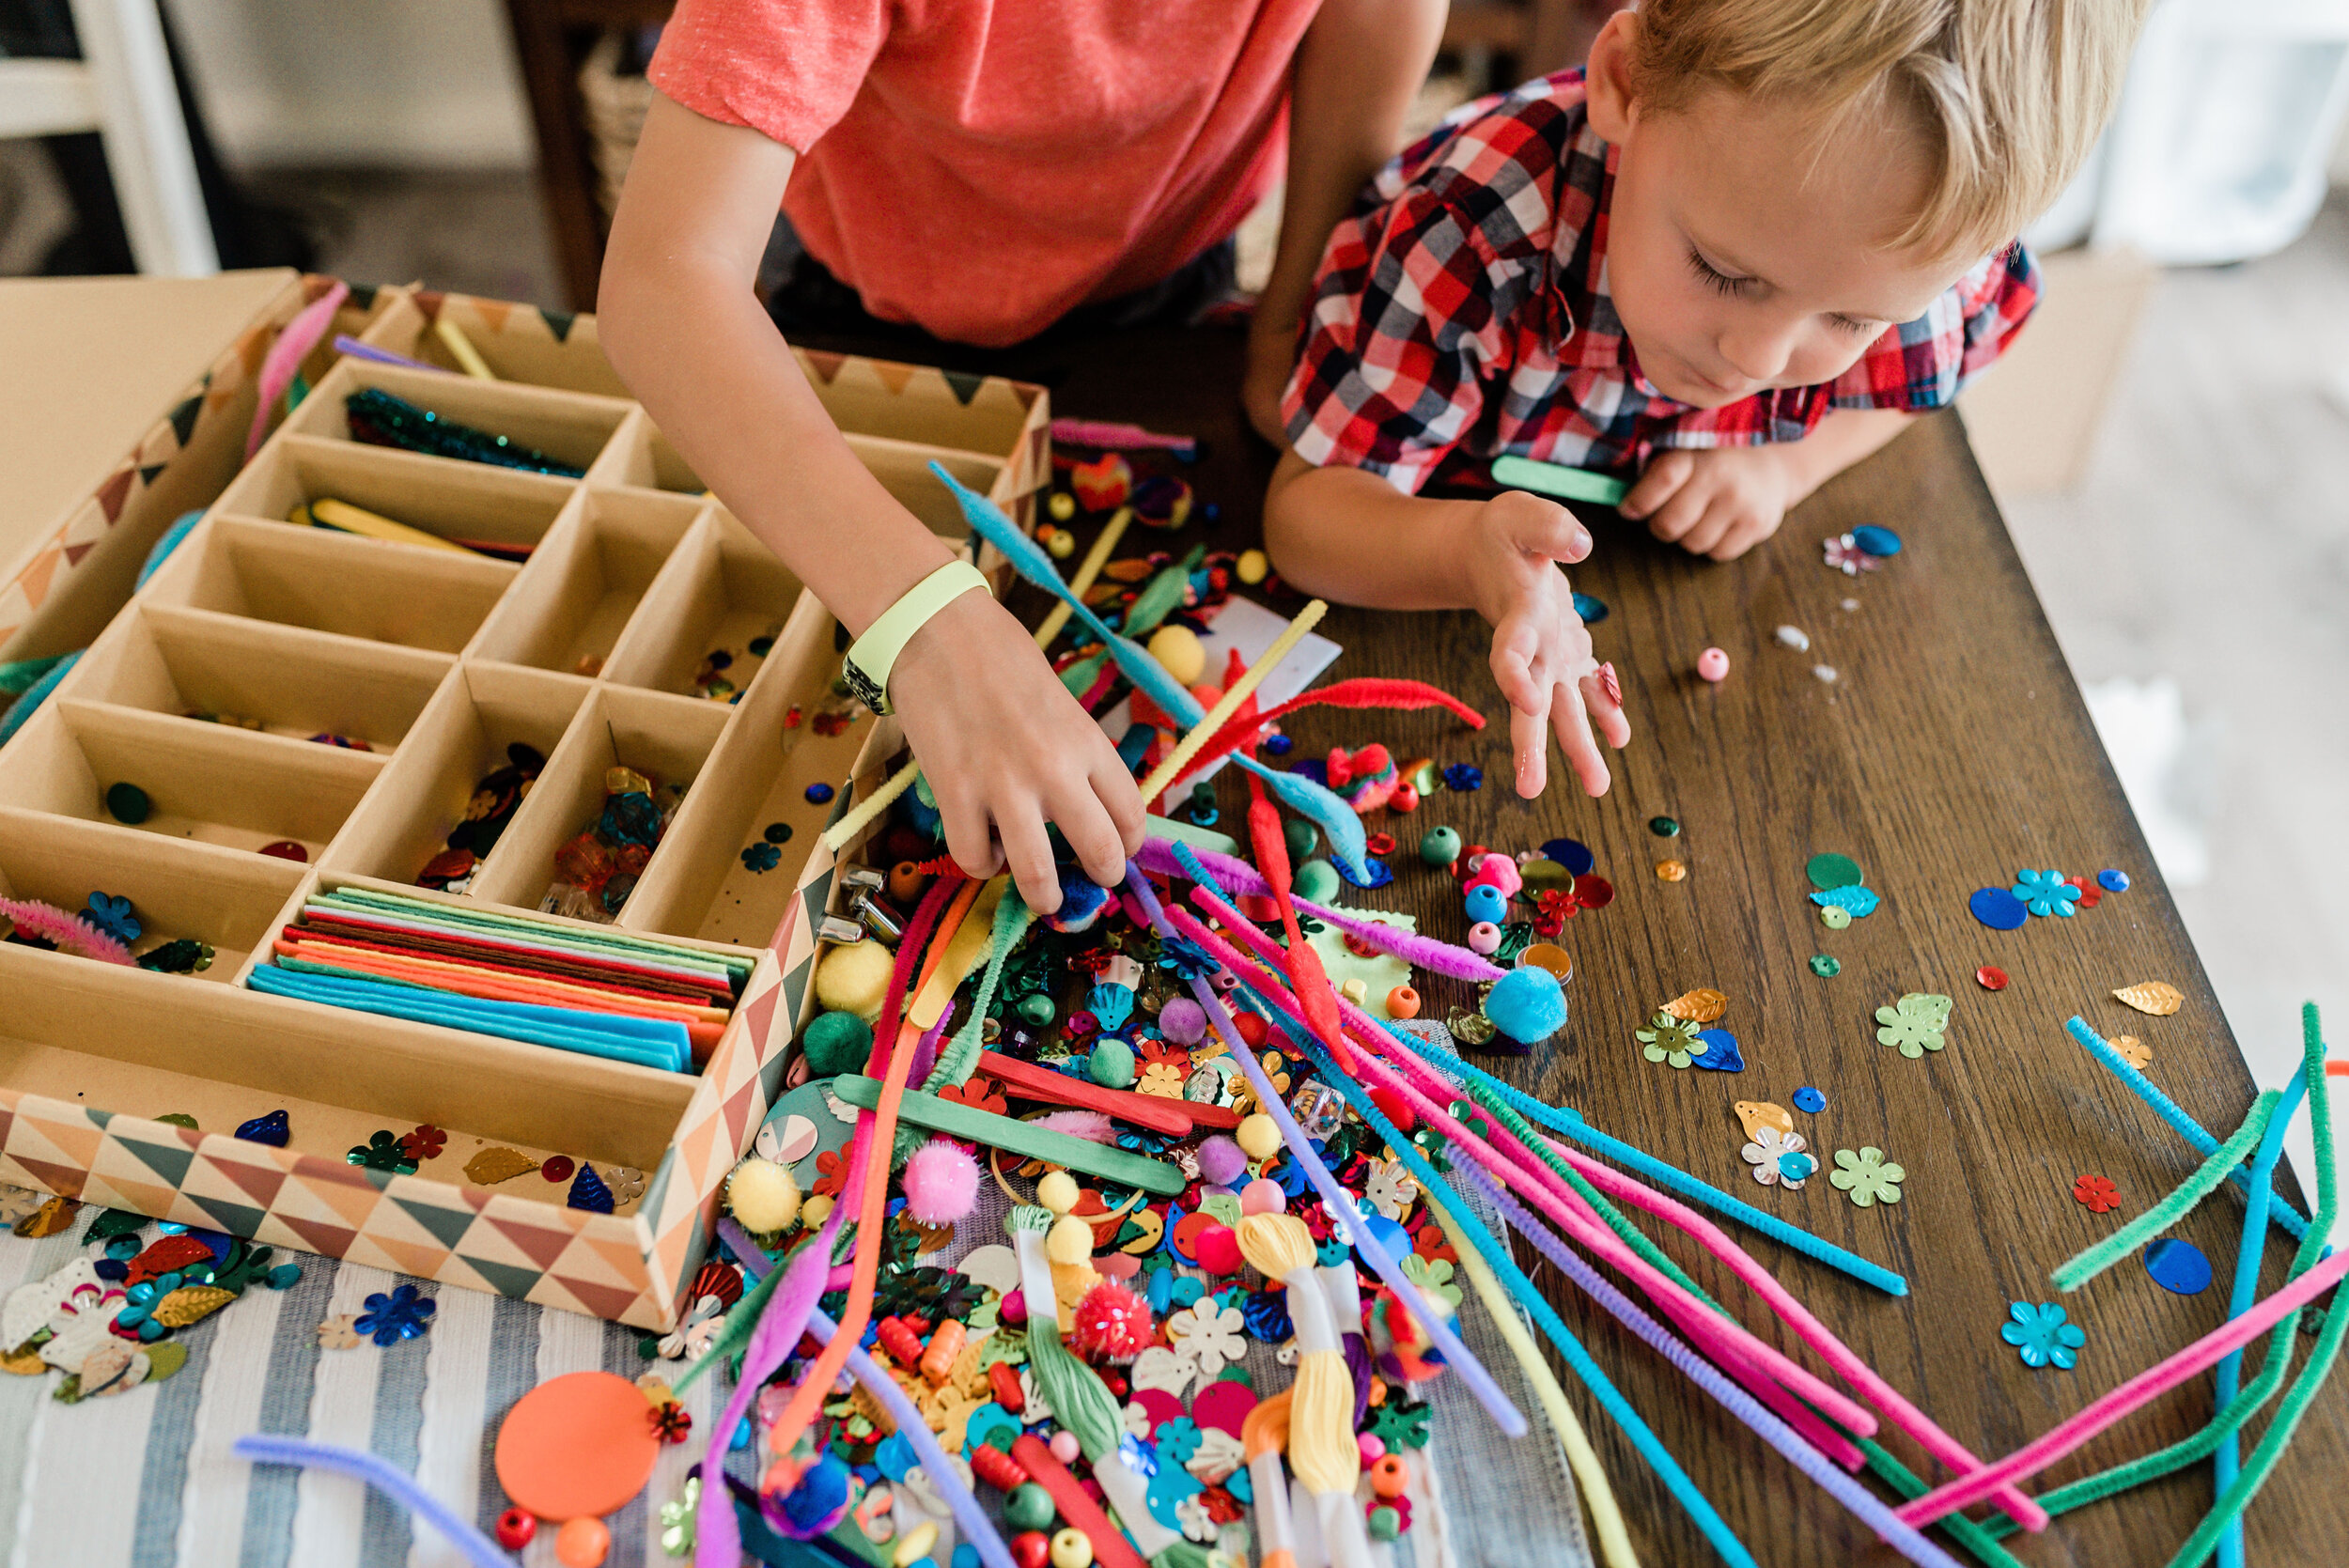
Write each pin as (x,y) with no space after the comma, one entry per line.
(587,651)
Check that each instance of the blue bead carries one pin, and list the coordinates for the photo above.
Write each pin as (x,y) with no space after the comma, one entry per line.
(1809,1101)
(1997,909)
(2178,1267)
(819,793)
(1485,902)
(1277,745)
(1571,853)
(1526,1004)
(2113,882)
(1877,541)
(1393,1237)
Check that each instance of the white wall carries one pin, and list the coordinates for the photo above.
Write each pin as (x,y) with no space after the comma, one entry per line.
(378,83)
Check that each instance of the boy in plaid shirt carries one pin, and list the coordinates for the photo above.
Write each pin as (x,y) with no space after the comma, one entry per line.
(1727,261)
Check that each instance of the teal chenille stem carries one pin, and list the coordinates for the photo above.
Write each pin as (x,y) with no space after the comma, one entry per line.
(2174,1207)
(2227,1461)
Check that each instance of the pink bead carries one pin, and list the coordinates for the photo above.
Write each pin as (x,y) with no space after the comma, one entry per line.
(1064,1447)
(1013,1309)
(1485,936)
(1263,1196)
(1713,664)
(1373,1447)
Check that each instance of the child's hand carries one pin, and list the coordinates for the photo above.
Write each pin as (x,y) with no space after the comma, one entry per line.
(1002,743)
(1541,656)
(1720,501)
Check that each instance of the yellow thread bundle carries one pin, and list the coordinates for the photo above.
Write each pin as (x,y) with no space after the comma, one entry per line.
(1321,1405)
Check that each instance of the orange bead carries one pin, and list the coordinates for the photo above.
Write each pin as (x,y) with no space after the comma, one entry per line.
(582,1544)
(905,882)
(1388,1476)
(1403,1002)
(938,1362)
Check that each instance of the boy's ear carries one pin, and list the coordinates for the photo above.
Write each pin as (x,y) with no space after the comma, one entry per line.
(1607,79)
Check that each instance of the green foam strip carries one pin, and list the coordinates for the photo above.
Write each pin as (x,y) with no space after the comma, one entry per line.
(1567,483)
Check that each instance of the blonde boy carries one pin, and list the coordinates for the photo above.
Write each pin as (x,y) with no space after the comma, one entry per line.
(1731,257)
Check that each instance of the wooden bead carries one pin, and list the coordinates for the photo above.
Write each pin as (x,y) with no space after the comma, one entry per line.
(1403,1002)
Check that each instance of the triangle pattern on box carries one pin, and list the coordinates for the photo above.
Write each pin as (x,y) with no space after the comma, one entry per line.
(319,1236)
(515,1283)
(602,1300)
(538,1244)
(235,1219)
(449,1225)
(168,1160)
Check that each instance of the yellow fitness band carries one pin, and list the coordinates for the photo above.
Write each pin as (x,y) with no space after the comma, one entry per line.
(867,666)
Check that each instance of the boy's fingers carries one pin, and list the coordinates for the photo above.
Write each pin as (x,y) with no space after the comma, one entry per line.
(1028,853)
(1086,823)
(1743,536)
(1554,533)
(1715,525)
(1115,788)
(1529,739)
(967,838)
(1515,640)
(1611,720)
(1664,475)
(1678,514)
(1573,726)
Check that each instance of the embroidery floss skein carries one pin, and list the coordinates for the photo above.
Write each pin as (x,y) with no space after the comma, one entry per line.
(1321,1400)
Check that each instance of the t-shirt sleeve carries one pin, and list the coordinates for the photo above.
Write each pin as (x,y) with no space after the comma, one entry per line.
(787,68)
(1405,320)
(1923,365)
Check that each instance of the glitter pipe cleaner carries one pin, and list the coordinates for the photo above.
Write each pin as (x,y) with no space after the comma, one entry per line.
(2226,1462)
(1649,1446)
(1506,1415)
(2185,1126)
(1729,1339)
(1871,1511)
(1846,1363)
(262,1448)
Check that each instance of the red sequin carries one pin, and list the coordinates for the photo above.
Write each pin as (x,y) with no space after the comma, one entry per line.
(1990,978)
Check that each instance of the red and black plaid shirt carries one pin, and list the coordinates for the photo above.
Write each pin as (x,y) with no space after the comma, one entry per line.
(1461,313)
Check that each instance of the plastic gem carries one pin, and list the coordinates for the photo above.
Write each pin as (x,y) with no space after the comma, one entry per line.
(403,1314)
(127,802)
(2178,1267)
(2096,1194)
(1826,965)
(1808,1101)
(271,1129)
(2040,1336)
(1867,1176)
(1590,609)
(2044,893)
(1663,827)
(1877,541)
(2113,882)
(818,793)
(1997,909)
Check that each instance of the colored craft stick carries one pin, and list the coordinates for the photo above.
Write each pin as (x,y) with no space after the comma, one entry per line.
(1109,435)
(340,516)
(294,960)
(2227,1462)
(489,980)
(1598,1495)
(665,1047)
(2185,1126)
(1192,833)
(346,344)
(958,1120)
(1087,570)
(2137,1232)
(570,936)
(1025,1081)
(1506,1415)
(320,927)
(260,1448)
(1568,484)
(973,1519)
(1204,729)
(460,349)
(1109,1546)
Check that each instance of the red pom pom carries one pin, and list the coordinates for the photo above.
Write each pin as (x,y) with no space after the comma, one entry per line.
(1112,1324)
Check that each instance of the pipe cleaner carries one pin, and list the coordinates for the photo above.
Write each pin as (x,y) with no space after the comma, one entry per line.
(262,1448)
(2069,1276)
(33,918)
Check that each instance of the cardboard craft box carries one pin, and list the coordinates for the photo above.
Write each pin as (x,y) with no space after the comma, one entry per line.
(587,651)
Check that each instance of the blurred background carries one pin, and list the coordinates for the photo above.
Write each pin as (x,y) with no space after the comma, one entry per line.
(2170,441)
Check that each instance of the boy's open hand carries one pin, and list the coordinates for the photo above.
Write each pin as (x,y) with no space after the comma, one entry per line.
(1718,502)
(1006,747)
(1541,656)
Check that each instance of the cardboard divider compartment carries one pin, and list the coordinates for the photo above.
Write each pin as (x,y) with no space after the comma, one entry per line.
(503,510)
(334,583)
(519,343)
(569,428)
(641,457)
(572,603)
(903,467)
(665,738)
(480,712)
(210,783)
(709,879)
(176,889)
(721,591)
(289,681)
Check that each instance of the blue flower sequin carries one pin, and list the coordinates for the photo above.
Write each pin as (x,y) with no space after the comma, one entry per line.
(2040,1335)
(762,857)
(112,915)
(403,1314)
(1187,960)
(2045,893)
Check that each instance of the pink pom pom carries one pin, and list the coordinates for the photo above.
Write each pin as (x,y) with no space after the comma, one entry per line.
(941,1182)
(1112,1324)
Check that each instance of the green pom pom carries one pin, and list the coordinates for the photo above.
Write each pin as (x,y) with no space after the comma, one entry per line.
(837,1043)
(1303,838)
(1316,882)
(1112,1064)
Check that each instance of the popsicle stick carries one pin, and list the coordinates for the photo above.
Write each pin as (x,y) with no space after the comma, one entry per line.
(957,1120)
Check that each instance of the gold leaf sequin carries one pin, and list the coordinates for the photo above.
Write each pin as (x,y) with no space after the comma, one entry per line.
(48,1220)
(2157,997)
(1698,1006)
(1757,1116)
(497,1164)
(192,1304)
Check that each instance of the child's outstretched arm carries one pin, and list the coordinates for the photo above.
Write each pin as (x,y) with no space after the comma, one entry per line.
(1350,535)
(1002,743)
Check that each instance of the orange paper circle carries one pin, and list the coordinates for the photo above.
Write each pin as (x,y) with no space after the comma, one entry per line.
(577,1447)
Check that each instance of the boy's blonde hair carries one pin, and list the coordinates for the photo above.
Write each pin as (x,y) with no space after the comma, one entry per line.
(2010,94)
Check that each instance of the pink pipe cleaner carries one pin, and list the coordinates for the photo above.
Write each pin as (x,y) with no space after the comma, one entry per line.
(33,918)
(284,357)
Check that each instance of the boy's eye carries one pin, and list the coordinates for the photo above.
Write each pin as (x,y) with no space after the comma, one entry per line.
(1854,325)
(1714,278)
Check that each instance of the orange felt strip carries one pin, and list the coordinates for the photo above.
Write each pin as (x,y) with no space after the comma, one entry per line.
(592,998)
(816,1386)
(698,1034)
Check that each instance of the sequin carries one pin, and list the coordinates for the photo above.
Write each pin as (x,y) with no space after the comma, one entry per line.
(1594,891)
(1831,870)
(1826,965)
(1808,1101)
(1990,978)
(2178,1267)
(2113,882)
(1590,609)
(1835,917)
(1571,853)
(818,793)
(1672,870)
(1997,909)
(1663,827)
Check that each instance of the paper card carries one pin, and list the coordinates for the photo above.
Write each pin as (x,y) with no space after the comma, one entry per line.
(1245,624)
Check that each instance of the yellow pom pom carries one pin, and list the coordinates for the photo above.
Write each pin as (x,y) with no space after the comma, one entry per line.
(1057,1191)
(1177,647)
(817,1209)
(762,1196)
(855,979)
(1063,544)
(1259,1137)
(1062,506)
(1070,1241)
(1253,565)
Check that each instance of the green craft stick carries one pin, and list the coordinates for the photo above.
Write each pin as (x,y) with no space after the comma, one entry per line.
(1185,832)
(1567,483)
(2146,1226)
(957,1120)
(582,940)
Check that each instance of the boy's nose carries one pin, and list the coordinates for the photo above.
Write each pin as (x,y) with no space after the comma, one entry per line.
(1758,357)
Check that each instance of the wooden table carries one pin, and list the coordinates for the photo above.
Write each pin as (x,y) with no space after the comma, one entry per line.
(1950,750)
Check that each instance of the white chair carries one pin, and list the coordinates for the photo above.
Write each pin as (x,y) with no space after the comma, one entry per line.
(123,88)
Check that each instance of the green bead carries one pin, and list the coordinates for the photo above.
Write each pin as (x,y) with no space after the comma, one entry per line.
(1317,881)
(1036,1010)
(128,802)
(837,1043)
(1663,827)
(1028,1507)
(1825,965)
(1385,1524)
(1441,846)
(1112,1064)
(1302,838)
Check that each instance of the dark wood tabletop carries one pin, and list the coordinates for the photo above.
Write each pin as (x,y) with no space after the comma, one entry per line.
(1950,750)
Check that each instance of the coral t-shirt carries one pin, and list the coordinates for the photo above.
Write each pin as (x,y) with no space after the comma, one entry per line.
(981,167)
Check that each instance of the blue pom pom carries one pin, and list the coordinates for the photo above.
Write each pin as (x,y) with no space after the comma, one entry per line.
(816,1503)
(1527,1005)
